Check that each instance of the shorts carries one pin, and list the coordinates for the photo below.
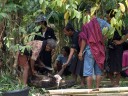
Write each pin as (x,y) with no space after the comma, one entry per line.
(22,60)
(90,64)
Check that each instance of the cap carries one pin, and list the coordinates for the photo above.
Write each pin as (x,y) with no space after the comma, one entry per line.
(40,18)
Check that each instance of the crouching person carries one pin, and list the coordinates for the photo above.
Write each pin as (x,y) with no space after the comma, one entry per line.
(60,60)
(36,47)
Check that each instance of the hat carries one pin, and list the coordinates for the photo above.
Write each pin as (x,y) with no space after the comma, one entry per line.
(40,18)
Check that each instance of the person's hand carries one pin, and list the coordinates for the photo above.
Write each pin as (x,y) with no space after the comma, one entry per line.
(53,52)
(117,42)
(14,65)
(42,64)
(80,56)
(64,65)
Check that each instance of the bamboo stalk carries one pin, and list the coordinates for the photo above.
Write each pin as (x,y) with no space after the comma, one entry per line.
(98,94)
(88,91)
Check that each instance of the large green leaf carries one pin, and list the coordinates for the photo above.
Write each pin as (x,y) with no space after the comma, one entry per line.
(113,22)
(11,7)
(41,1)
(59,3)
(4,15)
(105,30)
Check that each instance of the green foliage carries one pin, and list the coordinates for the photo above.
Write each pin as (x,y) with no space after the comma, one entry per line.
(9,83)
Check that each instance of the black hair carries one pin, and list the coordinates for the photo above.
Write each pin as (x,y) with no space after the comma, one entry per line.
(66,49)
(88,10)
(69,27)
(45,23)
(111,13)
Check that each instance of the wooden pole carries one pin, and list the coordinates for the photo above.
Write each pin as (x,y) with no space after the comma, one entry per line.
(88,91)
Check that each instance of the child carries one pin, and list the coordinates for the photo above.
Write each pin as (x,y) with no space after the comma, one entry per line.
(61,59)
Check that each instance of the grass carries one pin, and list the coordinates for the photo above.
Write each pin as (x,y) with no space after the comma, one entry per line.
(9,82)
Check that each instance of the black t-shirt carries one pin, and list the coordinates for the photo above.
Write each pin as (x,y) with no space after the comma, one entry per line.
(74,41)
(116,36)
(45,57)
(49,34)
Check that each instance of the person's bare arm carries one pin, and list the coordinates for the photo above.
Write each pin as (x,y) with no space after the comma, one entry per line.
(82,47)
(118,42)
(72,50)
(55,64)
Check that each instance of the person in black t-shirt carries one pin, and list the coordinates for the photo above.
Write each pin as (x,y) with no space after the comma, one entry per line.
(76,67)
(46,32)
(115,52)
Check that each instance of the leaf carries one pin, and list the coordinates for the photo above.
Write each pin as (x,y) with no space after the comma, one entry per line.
(93,10)
(37,12)
(110,34)
(66,15)
(86,19)
(77,14)
(126,1)
(120,33)
(52,5)
(74,6)
(63,1)
(122,7)
(7,44)
(31,38)
(55,15)
(104,30)
(22,30)
(11,7)
(41,1)
(43,7)
(4,15)
(118,14)
(120,23)
(72,14)
(76,2)
(113,21)
(67,6)
(37,28)
(66,21)
(50,15)
(59,3)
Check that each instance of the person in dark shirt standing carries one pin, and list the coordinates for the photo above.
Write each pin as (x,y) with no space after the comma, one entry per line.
(115,52)
(76,67)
